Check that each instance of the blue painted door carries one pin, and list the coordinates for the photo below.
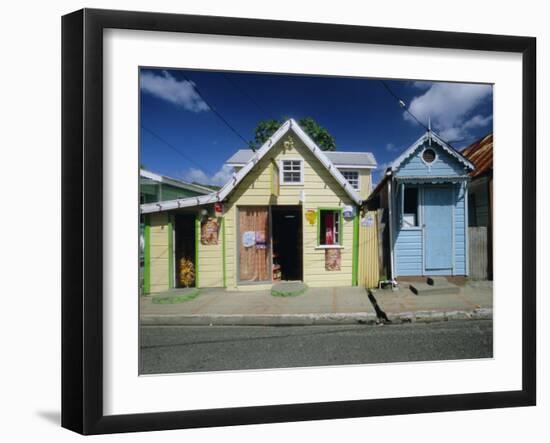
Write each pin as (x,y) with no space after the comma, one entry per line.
(438,229)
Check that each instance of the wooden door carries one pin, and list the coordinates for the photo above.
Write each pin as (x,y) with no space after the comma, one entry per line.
(438,221)
(254,244)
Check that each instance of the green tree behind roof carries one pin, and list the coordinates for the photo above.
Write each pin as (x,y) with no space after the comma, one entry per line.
(266,128)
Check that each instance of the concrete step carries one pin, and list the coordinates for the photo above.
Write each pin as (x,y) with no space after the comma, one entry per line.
(437,289)
(288,288)
(436,281)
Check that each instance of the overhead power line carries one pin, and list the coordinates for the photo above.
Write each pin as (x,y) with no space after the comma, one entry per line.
(245,94)
(217,113)
(172,147)
(402,104)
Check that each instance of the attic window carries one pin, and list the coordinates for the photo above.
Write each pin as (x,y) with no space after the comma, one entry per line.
(428,155)
(353,178)
(292,172)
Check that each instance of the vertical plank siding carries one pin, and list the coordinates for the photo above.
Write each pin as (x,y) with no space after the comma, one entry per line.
(368,268)
(147,257)
(355,264)
(479,260)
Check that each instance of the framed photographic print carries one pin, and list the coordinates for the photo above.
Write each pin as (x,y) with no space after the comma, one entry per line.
(269,221)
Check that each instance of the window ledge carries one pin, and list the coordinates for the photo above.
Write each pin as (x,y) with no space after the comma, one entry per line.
(329,247)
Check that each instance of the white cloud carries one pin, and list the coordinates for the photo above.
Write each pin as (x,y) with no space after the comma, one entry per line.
(166,87)
(379,172)
(390,147)
(220,178)
(421,84)
(449,106)
(223,175)
(195,175)
(477,121)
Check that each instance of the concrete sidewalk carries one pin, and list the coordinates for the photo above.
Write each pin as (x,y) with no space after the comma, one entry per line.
(216,306)
(473,301)
(317,306)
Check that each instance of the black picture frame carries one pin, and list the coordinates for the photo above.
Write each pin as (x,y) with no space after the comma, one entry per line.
(82,214)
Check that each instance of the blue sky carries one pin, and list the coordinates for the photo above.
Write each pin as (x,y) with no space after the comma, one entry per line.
(360,114)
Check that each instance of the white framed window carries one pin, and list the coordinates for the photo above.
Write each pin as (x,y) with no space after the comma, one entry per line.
(352,177)
(329,227)
(292,172)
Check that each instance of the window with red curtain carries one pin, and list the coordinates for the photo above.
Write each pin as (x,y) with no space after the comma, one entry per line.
(329,229)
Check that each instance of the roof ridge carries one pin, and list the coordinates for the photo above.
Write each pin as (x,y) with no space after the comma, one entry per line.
(237,178)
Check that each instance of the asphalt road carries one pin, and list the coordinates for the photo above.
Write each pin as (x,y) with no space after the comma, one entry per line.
(217,348)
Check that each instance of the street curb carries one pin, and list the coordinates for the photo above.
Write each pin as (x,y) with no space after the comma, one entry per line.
(259,320)
(365,318)
(438,316)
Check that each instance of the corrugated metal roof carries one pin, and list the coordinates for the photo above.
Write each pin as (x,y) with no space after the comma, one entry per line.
(480,154)
(339,158)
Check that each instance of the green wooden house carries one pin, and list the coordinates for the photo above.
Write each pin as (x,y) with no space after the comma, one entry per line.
(155,188)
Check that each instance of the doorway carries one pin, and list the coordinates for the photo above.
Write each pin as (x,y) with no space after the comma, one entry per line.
(287,243)
(438,231)
(184,253)
(254,246)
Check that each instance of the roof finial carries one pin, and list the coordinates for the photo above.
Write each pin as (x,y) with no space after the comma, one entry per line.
(429,124)
(429,130)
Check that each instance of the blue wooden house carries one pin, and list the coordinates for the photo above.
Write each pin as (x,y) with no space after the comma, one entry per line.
(422,203)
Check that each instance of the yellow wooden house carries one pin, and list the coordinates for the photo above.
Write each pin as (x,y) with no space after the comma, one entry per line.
(290,212)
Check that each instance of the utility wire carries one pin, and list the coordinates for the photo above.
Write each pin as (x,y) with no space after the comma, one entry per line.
(215,111)
(402,104)
(248,96)
(172,147)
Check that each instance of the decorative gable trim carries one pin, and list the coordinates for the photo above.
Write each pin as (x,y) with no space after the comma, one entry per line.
(430,136)
(238,176)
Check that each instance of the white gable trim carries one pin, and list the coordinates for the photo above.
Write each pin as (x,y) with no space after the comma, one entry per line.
(239,175)
(338,165)
(425,137)
(331,168)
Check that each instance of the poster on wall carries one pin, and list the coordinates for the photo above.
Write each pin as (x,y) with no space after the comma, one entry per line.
(209,231)
(311,216)
(333,259)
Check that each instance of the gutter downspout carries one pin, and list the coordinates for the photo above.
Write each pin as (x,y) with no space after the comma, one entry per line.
(390,215)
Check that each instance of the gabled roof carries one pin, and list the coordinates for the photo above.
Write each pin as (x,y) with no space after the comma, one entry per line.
(174,182)
(340,159)
(480,154)
(430,136)
(256,157)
